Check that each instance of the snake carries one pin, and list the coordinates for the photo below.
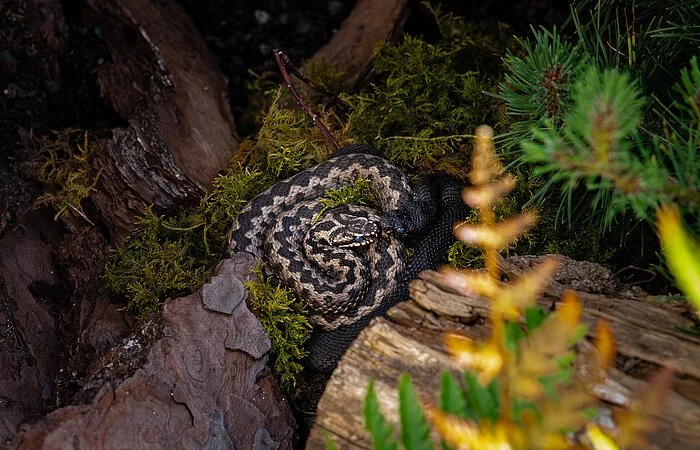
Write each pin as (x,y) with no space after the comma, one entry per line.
(348,263)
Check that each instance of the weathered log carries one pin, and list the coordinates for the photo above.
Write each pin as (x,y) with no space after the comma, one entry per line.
(197,379)
(165,83)
(162,80)
(410,340)
(351,50)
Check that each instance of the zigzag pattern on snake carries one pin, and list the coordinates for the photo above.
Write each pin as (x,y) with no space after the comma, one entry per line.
(353,284)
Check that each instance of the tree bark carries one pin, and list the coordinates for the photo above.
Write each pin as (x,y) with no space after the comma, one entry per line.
(198,379)
(166,85)
(30,351)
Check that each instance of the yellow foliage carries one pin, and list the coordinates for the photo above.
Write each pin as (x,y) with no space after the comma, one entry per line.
(599,439)
(512,299)
(605,346)
(495,236)
(469,282)
(486,359)
(682,252)
(484,196)
(466,435)
(545,352)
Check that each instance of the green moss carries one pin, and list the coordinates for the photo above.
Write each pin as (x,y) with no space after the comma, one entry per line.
(286,143)
(172,256)
(324,76)
(358,193)
(462,255)
(422,108)
(284,320)
(157,262)
(429,97)
(63,166)
(219,208)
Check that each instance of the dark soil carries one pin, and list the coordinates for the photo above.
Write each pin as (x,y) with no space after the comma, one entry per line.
(242,34)
(47,82)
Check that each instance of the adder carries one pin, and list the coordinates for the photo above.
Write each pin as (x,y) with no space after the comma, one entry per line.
(348,264)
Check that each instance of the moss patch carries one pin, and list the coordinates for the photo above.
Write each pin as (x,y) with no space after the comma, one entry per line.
(63,166)
(172,256)
(287,141)
(284,319)
(429,97)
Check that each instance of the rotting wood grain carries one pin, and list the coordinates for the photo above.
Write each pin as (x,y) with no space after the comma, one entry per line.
(164,83)
(351,49)
(410,340)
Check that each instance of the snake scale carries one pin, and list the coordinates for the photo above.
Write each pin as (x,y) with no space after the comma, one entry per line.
(347,263)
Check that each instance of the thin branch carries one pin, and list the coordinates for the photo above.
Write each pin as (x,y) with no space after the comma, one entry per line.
(286,66)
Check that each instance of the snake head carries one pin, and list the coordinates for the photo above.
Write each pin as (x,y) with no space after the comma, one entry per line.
(413,218)
(397,222)
(344,230)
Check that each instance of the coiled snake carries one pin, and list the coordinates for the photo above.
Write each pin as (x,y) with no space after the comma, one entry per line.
(348,264)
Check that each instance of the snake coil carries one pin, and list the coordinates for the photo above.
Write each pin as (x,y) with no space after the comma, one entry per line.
(345,287)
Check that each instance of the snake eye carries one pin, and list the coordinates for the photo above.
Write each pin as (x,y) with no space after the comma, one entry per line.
(358,239)
(400,230)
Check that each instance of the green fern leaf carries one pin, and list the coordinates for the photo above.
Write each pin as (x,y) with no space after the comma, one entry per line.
(375,422)
(482,399)
(415,433)
(330,443)
(452,398)
(534,316)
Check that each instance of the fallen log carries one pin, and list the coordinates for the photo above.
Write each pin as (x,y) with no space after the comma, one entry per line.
(351,50)
(163,81)
(410,340)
